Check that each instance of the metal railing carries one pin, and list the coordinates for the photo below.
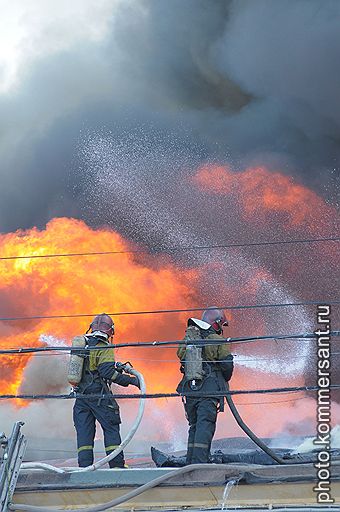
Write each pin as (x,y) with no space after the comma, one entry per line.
(13,452)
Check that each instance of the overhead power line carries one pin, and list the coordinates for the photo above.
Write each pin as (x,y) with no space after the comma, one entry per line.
(184,310)
(238,358)
(270,402)
(133,344)
(168,395)
(174,249)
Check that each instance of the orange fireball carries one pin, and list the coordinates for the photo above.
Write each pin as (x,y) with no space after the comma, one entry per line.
(81,285)
(262,193)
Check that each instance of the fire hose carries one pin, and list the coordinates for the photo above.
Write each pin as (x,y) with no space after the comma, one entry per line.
(112,455)
(258,441)
(128,496)
(149,485)
(249,432)
(157,481)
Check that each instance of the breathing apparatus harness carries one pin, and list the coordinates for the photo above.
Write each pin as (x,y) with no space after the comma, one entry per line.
(102,329)
(79,374)
(192,366)
(195,366)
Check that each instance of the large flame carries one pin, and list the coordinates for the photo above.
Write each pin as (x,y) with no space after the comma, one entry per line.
(262,193)
(81,285)
(267,205)
(263,202)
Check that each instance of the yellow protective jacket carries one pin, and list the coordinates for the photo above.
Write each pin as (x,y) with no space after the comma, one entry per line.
(100,365)
(212,352)
(218,354)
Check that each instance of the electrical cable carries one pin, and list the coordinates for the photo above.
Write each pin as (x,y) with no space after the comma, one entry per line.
(184,310)
(237,356)
(239,340)
(241,404)
(98,396)
(173,249)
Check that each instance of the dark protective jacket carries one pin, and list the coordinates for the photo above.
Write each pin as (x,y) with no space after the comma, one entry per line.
(98,372)
(201,412)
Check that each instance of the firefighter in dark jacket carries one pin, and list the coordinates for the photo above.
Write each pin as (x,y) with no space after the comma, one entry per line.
(99,371)
(206,369)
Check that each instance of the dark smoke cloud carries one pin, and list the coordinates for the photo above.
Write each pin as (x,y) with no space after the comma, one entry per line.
(112,130)
(230,81)
(284,54)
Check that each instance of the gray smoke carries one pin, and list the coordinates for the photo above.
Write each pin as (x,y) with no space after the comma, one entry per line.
(111,129)
(238,82)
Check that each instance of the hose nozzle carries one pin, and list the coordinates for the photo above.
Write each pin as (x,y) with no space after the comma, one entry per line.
(128,367)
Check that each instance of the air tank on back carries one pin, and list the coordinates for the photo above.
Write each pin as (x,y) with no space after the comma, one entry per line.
(76,363)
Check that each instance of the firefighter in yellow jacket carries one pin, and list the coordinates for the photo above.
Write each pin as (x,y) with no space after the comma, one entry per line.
(99,371)
(206,368)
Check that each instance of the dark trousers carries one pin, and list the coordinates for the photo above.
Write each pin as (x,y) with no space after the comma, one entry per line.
(85,414)
(202,415)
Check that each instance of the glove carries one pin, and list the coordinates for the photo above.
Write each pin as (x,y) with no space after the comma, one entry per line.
(134,382)
(125,380)
(227,367)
